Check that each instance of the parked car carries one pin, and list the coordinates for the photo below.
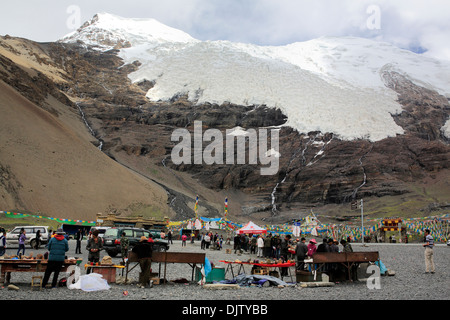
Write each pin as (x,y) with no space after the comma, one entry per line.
(155,233)
(111,240)
(101,231)
(12,237)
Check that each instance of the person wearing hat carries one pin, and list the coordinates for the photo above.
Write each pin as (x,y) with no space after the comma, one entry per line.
(312,247)
(144,250)
(57,246)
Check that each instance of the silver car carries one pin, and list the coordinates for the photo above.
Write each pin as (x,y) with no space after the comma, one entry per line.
(12,237)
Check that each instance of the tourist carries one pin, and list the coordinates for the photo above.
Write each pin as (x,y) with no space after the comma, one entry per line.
(300,252)
(78,238)
(312,247)
(169,237)
(38,239)
(94,246)
(57,246)
(22,239)
(202,241)
(429,254)
(220,242)
(260,244)
(143,251)
(207,240)
(183,240)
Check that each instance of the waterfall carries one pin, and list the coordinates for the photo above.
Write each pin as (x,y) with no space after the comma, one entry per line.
(364,174)
(83,116)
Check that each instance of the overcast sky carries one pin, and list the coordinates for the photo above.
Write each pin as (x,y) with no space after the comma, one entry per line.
(419,25)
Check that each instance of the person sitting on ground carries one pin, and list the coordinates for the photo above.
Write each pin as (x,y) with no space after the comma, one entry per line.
(144,251)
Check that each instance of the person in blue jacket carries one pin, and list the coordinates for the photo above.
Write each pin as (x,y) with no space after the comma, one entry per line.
(57,246)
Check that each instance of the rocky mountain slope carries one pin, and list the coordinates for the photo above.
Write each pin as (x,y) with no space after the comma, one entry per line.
(47,162)
(126,88)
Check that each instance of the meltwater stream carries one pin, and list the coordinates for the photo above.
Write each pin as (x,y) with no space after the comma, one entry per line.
(83,116)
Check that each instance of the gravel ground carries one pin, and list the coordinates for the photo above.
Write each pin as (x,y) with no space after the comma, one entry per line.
(409,282)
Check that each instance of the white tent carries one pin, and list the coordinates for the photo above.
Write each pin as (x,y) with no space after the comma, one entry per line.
(251,228)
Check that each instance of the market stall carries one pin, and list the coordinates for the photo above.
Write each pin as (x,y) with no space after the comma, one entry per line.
(163,258)
(9,266)
(265,267)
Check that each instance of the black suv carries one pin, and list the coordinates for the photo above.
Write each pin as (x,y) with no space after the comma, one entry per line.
(111,240)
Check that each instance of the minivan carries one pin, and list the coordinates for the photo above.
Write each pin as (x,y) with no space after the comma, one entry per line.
(12,237)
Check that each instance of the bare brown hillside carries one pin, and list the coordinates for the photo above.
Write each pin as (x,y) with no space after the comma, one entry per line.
(46,166)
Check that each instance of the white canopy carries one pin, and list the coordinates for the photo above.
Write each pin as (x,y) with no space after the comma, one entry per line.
(251,228)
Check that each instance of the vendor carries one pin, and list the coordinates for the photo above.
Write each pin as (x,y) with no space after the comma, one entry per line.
(57,246)
(144,252)
(94,246)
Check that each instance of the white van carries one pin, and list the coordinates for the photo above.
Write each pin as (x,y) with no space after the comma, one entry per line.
(12,237)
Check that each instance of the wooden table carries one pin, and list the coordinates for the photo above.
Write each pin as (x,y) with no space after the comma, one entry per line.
(15,265)
(350,260)
(163,258)
(264,265)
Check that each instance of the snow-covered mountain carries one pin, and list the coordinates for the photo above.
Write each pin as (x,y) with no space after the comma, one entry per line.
(331,85)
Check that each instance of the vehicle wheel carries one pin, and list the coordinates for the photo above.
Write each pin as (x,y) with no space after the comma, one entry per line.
(162,249)
(33,244)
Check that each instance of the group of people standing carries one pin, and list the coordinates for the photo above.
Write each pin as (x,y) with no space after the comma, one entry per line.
(207,239)
(270,246)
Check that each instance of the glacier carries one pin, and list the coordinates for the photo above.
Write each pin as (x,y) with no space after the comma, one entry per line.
(327,84)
